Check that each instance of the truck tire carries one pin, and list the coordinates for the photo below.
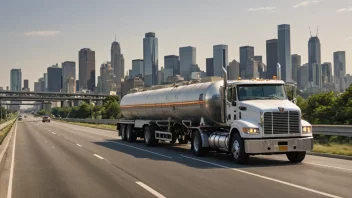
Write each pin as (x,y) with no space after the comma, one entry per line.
(131,135)
(197,144)
(123,132)
(296,157)
(149,136)
(237,150)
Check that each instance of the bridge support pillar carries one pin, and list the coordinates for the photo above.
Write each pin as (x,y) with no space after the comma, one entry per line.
(0,110)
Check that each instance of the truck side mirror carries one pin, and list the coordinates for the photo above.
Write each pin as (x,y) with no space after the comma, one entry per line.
(294,100)
(234,103)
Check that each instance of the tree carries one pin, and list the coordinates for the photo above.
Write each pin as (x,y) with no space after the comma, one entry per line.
(113,111)
(319,108)
(84,111)
(3,112)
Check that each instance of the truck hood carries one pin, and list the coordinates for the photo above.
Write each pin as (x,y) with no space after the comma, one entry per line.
(270,105)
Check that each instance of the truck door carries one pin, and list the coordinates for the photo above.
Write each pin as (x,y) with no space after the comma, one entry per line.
(231,104)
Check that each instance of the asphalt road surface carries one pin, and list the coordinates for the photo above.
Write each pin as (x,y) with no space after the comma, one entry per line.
(62,160)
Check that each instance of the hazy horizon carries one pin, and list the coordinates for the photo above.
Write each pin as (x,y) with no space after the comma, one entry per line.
(38,34)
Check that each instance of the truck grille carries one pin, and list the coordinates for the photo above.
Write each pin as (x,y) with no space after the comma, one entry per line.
(281,123)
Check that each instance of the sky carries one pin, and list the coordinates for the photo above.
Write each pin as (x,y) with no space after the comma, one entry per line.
(35,34)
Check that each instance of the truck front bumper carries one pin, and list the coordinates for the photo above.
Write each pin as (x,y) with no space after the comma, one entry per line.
(266,146)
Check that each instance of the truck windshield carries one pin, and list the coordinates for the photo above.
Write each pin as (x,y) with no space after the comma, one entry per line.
(261,92)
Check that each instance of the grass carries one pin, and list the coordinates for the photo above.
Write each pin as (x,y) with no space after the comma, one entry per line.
(5,131)
(98,126)
(337,149)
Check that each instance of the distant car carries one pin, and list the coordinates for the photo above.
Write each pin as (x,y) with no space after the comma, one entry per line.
(19,118)
(46,119)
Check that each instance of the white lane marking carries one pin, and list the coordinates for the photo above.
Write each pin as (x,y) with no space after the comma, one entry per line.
(88,131)
(150,189)
(79,145)
(141,149)
(328,166)
(49,130)
(54,133)
(53,147)
(98,156)
(36,133)
(267,178)
(9,189)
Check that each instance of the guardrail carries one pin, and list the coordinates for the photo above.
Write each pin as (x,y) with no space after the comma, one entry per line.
(337,130)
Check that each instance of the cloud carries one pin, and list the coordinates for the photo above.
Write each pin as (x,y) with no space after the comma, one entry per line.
(262,9)
(42,33)
(306,3)
(348,9)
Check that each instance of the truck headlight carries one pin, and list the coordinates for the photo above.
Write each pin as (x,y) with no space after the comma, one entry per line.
(252,131)
(307,129)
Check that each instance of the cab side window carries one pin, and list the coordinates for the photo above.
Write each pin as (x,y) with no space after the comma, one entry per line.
(231,94)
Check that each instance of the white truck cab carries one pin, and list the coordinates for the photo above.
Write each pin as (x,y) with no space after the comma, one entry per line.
(266,120)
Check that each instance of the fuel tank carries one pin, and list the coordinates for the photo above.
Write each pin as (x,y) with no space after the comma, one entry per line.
(187,102)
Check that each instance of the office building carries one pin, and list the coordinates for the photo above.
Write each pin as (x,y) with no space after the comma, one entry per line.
(339,70)
(54,78)
(296,63)
(209,67)
(161,76)
(15,79)
(246,60)
(233,71)
(188,57)
(45,76)
(327,72)
(131,84)
(68,74)
(117,62)
(172,62)
(25,84)
(137,68)
(317,75)
(220,59)
(261,66)
(314,55)
(284,52)
(36,87)
(41,82)
(271,57)
(86,70)
(150,59)
(303,76)
(107,79)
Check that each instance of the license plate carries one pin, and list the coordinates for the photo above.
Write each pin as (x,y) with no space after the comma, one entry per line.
(283,148)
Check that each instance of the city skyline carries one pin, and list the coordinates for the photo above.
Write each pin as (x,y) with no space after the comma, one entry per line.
(43,35)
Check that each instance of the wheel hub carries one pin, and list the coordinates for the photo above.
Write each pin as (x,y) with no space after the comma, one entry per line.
(236,149)
(196,143)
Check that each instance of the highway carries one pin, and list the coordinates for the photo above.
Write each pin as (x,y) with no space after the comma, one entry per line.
(63,160)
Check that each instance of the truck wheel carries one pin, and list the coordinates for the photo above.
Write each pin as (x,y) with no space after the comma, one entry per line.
(149,136)
(296,157)
(131,136)
(197,144)
(123,132)
(237,150)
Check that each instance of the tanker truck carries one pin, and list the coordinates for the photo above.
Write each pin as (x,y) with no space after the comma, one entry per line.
(238,117)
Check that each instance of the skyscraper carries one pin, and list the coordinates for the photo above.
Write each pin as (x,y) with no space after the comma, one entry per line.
(296,63)
(54,78)
(303,76)
(327,72)
(284,52)
(117,62)
(68,75)
(150,59)
(107,78)
(271,57)
(172,62)
(314,55)
(45,76)
(317,75)
(86,73)
(210,67)
(137,67)
(339,69)
(233,71)
(220,59)
(246,60)
(25,84)
(16,80)
(188,57)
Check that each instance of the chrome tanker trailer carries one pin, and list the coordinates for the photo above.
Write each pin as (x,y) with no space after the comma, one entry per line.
(240,117)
